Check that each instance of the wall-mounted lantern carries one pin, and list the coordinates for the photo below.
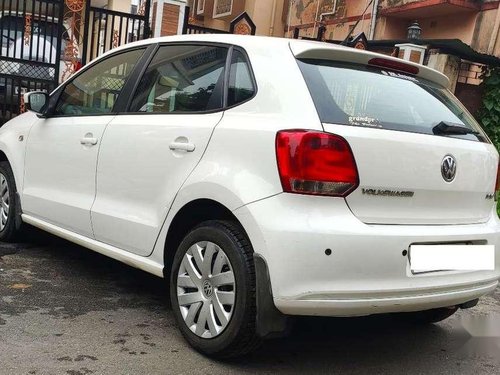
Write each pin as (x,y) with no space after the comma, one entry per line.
(414,31)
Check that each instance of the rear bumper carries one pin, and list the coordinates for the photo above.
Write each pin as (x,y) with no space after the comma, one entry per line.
(366,272)
(325,305)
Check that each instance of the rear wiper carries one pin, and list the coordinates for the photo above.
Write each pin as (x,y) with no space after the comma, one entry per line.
(444,127)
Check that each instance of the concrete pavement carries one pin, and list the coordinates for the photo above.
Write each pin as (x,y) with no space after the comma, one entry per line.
(67,310)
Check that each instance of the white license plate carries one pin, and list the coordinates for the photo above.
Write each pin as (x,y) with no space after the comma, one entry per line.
(429,258)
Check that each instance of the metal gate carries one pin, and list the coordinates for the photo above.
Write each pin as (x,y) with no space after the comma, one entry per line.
(105,29)
(242,24)
(31,38)
(44,41)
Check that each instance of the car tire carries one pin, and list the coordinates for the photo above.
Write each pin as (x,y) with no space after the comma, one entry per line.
(430,316)
(221,334)
(10,223)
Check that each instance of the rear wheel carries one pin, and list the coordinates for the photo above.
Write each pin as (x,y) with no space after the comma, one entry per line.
(9,228)
(212,290)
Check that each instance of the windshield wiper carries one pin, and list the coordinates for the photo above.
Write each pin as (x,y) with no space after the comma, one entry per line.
(450,128)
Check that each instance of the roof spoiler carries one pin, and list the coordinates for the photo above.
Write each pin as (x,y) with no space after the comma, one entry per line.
(324,51)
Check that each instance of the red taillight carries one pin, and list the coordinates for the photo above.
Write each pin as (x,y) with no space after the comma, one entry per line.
(393,65)
(311,162)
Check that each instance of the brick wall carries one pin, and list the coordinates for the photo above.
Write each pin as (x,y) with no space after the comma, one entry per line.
(153,21)
(170,21)
(470,73)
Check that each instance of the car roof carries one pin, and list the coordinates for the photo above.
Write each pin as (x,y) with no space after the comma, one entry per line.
(299,48)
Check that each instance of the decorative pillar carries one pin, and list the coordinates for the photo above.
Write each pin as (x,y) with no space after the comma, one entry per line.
(74,15)
(449,65)
(411,52)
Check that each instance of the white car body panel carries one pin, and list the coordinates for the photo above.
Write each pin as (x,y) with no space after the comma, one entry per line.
(143,263)
(235,165)
(240,161)
(138,175)
(366,260)
(60,181)
(392,160)
(13,137)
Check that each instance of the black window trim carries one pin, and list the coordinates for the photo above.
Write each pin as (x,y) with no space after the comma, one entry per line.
(252,78)
(230,47)
(123,101)
(55,95)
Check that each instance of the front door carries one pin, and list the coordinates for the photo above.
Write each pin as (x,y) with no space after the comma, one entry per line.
(61,156)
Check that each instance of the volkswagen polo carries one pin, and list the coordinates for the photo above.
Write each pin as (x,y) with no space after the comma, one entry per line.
(264,178)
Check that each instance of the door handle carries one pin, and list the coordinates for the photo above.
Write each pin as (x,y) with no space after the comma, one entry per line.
(88,141)
(182,146)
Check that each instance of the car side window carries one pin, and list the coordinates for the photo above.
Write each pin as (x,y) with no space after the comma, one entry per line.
(241,86)
(182,78)
(96,89)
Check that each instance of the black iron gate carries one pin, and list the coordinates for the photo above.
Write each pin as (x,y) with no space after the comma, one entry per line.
(42,42)
(105,29)
(30,50)
(242,24)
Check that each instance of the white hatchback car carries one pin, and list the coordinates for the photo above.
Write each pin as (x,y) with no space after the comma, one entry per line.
(264,178)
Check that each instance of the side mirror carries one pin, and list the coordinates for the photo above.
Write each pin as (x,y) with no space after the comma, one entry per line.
(35,101)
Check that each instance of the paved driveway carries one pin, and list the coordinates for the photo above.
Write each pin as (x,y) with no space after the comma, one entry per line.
(67,310)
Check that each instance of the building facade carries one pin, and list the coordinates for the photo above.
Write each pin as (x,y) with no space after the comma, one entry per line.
(456,37)
(475,22)
(267,15)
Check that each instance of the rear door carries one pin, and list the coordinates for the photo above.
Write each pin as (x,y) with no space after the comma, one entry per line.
(411,170)
(147,154)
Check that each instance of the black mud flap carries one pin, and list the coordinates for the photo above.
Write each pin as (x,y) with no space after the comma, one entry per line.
(271,323)
(19,212)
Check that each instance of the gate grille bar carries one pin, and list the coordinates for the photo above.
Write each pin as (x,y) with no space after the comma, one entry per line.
(31,36)
(105,29)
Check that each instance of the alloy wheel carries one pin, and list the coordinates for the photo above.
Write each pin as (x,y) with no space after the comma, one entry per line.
(206,289)
(4,201)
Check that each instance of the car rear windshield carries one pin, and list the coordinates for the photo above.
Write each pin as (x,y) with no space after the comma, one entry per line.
(371,97)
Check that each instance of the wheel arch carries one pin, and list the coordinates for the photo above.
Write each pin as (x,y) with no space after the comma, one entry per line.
(3,157)
(17,206)
(189,216)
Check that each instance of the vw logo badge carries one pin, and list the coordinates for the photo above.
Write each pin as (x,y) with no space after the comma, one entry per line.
(208,289)
(449,168)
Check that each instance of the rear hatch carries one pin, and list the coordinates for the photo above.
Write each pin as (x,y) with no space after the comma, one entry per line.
(421,157)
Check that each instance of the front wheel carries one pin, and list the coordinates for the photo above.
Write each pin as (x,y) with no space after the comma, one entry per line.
(212,290)
(9,223)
